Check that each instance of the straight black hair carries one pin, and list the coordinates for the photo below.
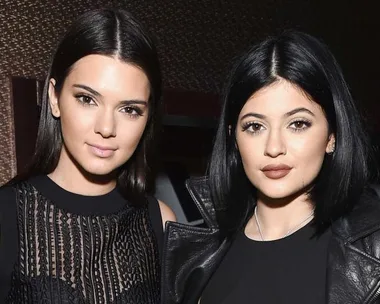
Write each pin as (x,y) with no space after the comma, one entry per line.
(114,33)
(308,64)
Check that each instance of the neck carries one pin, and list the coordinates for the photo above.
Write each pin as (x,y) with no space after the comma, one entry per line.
(71,177)
(279,217)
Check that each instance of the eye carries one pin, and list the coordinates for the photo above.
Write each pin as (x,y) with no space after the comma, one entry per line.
(300,125)
(85,99)
(132,111)
(253,127)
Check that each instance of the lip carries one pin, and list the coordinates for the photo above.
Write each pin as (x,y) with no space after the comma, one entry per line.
(102,151)
(276,171)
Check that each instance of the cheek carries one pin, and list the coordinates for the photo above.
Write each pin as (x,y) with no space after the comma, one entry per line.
(310,148)
(75,123)
(308,156)
(250,154)
(130,133)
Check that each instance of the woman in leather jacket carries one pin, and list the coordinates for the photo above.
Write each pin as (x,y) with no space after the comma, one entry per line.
(289,216)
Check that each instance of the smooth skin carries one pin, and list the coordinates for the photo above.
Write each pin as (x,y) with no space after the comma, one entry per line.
(281,125)
(103,108)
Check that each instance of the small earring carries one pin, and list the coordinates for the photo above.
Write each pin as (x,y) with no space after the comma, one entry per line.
(332,148)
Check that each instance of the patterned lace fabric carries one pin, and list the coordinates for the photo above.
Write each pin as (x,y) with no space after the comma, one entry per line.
(69,258)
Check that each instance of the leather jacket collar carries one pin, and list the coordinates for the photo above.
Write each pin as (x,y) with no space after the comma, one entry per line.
(192,254)
(353,273)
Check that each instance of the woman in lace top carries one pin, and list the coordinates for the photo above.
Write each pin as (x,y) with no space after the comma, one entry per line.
(80,227)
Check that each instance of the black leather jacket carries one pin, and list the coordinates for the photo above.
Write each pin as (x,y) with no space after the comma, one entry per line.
(191,254)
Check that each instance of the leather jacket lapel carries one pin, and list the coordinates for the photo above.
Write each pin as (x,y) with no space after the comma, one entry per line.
(191,254)
(200,192)
(198,251)
(353,273)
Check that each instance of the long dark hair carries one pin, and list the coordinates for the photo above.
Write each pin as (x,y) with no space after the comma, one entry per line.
(307,63)
(115,33)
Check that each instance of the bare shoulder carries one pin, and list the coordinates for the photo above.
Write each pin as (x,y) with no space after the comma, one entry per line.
(167,213)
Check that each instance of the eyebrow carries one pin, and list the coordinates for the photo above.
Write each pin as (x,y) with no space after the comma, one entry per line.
(299,110)
(134,101)
(87,88)
(97,94)
(288,114)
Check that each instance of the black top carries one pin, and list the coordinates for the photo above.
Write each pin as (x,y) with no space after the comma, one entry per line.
(55,244)
(288,270)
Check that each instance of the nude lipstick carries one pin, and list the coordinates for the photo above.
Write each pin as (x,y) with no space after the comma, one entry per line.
(102,151)
(276,171)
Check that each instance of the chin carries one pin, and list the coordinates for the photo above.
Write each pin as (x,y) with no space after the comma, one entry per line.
(281,193)
(99,169)
(275,195)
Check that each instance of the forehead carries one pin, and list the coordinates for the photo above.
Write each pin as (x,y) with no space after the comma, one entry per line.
(279,98)
(109,75)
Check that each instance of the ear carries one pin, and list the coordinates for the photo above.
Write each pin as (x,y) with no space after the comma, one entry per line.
(53,99)
(330,148)
(229,134)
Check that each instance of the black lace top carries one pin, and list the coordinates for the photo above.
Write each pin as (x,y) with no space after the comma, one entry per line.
(76,249)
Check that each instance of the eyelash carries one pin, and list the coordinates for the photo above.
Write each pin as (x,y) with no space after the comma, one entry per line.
(306,124)
(248,125)
(81,97)
(132,111)
(137,110)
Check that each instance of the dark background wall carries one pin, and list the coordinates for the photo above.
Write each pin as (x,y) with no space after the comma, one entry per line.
(197,39)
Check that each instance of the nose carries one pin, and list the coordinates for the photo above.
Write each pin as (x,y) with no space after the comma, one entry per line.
(105,124)
(275,144)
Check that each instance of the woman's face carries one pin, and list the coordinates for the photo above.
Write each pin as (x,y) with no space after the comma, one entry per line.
(103,110)
(282,137)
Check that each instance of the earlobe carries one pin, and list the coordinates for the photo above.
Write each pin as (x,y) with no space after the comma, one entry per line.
(330,149)
(53,99)
(229,134)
